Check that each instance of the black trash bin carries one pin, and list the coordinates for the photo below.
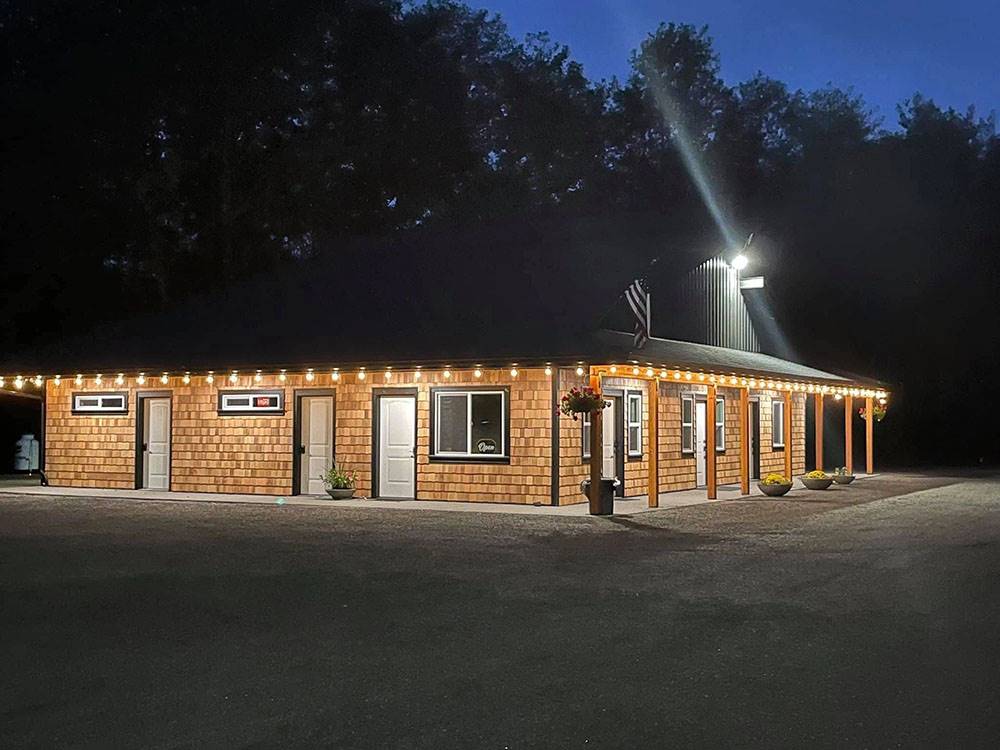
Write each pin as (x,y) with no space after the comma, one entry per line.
(607,501)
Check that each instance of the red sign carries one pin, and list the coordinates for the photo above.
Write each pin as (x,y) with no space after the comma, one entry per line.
(265,402)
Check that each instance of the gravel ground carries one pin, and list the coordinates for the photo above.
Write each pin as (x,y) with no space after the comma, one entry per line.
(859,617)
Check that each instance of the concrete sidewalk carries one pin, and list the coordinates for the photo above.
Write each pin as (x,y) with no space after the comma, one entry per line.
(623,506)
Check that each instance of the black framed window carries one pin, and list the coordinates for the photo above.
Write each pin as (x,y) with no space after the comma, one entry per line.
(470,424)
(100,403)
(255,403)
(687,424)
(777,423)
(720,424)
(634,423)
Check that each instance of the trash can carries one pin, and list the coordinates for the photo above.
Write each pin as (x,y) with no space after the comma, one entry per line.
(607,500)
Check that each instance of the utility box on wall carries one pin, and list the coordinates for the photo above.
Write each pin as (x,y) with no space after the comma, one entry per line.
(26,453)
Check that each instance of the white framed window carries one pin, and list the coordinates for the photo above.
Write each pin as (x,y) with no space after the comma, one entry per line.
(252,402)
(585,427)
(687,423)
(720,424)
(633,423)
(470,424)
(102,403)
(777,423)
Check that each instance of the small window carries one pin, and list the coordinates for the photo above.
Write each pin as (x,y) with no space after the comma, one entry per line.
(777,423)
(103,403)
(720,425)
(585,422)
(470,424)
(687,424)
(634,424)
(252,402)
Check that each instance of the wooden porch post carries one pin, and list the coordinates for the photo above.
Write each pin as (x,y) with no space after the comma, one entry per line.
(869,437)
(653,488)
(789,441)
(596,451)
(710,444)
(848,437)
(818,403)
(744,444)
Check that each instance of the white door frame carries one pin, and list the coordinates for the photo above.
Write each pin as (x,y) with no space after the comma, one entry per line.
(700,441)
(377,395)
(300,434)
(142,436)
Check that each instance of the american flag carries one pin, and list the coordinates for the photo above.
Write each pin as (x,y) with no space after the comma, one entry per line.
(638,299)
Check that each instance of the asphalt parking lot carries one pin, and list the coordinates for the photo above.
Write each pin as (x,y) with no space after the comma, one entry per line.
(865,617)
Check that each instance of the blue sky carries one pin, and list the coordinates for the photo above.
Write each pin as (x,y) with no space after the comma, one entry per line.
(885,49)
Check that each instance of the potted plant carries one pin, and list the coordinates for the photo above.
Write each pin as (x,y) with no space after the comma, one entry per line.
(339,483)
(817,480)
(840,475)
(581,401)
(775,485)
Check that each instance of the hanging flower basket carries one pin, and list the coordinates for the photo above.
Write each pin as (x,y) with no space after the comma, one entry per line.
(581,401)
(878,411)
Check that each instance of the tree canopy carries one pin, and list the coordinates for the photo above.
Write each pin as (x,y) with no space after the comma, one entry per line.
(156,150)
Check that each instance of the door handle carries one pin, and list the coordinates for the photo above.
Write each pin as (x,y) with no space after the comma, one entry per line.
(145,448)
(302,449)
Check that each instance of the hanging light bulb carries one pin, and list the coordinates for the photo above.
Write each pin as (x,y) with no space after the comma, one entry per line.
(97,380)
(210,378)
(579,371)
(310,375)
(233,377)
(701,377)
(613,370)
(79,379)
(732,380)
(416,374)
(477,373)
(649,372)
(3,382)
(141,380)
(57,380)
(687,376)
(335,375)
(19,382)
(120,379)
(388,374)
(186,379)
(362,374)
(513,372)
(283,376)
(447,373)
(663,373)
(164,379)
(677,374)
(257,377)
(548,370)
(38,381)
(635,370)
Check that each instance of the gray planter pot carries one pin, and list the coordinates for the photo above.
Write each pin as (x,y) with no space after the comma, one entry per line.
(774,490)
(340,494)
(816,484)
(843,478)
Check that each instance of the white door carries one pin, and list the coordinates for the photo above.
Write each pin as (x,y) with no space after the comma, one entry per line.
(397,459)
(700,420)
(156,444)
(316,434)
(608,422)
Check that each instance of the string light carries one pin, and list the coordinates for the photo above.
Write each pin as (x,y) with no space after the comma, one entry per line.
(712,379)
(732,380)
(579,371)
(186,379)
(613,370)
(663,373)
(2,382)
(649,372)
(388,375)
(548,370)
(19,382)
(257,377)
(701,377)
(513,372)
(164,379)
(362,374)
(677,374)
(78,379)
(283,376)
(416,375)
(635,370)
(477,373)
(233,377)
(687,376)
(310,375)
(447,373)
(335,375)
(141,380)
(120,379)
(210,378)
(38,381)
(97,380)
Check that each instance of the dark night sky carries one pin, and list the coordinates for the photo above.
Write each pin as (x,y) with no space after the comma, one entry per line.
(885,49)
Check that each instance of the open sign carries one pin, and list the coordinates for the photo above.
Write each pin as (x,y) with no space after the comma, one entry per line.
(486,446)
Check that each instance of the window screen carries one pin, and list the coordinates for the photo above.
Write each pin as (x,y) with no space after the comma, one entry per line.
(720,424)
(687,424)
(470,424)
(635,424)
(106,403)
(778,424)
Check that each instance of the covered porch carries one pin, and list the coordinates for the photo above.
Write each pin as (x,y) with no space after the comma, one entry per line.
(705,372)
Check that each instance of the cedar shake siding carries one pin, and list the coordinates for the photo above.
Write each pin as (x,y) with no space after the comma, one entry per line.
(254,454)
